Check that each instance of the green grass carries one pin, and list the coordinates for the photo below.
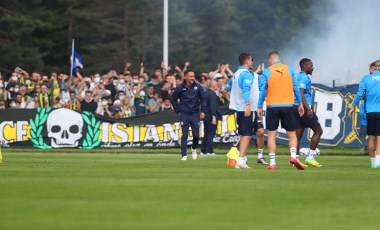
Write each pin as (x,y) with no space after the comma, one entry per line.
(281,149)
(157,191)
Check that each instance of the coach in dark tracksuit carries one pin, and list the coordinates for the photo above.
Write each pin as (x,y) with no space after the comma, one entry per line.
(190,95)
(211,119)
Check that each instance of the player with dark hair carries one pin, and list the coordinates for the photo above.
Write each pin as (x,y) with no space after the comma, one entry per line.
(240,101)
(191,96)
(309,118)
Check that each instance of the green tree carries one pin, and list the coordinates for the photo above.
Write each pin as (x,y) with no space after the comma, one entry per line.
(37,34)
(218,27)
(21,40)
(185,38)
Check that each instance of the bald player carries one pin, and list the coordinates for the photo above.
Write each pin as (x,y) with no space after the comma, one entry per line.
(279,86)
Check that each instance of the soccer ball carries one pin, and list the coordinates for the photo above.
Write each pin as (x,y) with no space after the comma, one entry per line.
(305,151)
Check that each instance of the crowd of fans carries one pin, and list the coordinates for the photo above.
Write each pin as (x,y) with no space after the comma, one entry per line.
(116,95)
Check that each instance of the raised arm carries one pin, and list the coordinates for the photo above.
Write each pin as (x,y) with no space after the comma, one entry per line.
(181,73)
(142,67)
(164,69)
(223,72)
(126,67)
(185,66)
(212,74)
(229,70)
(96,94)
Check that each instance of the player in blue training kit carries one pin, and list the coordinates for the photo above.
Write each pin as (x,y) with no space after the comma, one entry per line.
(309,119)
(363,116)
(257,123)
(370,88)
(240,101)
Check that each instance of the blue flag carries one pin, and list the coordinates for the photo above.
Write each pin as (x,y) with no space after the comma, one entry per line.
(77,63)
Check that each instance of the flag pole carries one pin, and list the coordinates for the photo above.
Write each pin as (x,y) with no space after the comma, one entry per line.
(166,33)
(72,58)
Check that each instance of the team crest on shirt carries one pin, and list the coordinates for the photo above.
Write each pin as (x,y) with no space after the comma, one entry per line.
(196,88)
(376,78)
(248,81)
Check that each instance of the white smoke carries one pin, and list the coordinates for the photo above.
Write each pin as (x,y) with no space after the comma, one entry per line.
(344,50)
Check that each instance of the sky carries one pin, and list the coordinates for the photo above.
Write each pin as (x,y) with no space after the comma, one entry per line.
(344,48)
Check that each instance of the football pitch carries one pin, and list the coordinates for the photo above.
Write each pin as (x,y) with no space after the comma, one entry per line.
(158,191)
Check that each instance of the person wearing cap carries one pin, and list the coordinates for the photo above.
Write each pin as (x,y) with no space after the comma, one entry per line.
(190,95)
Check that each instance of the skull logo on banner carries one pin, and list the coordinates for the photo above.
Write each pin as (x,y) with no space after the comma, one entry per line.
(64,127)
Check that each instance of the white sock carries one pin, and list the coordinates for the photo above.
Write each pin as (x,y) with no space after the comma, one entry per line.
(373,160)
(311,154)
(293,152)
(241,160)
(377,158)
(272,158)
(260,153)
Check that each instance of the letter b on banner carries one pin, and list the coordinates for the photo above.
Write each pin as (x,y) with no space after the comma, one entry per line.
(328,107)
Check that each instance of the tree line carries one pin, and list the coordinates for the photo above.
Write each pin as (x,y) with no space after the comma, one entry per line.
(36,34)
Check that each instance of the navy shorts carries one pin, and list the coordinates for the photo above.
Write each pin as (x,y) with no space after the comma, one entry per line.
(373,124)
(284,114)
(245,124)
(257,123)
(304,122)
